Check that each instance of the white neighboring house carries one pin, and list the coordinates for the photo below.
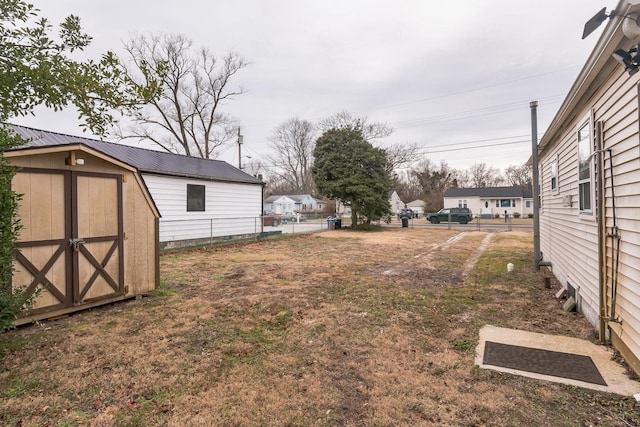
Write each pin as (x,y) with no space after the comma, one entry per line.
(294,203)
(395,205)
(589,164)
(487,202)
(198,199)
(279,204)
(417,206)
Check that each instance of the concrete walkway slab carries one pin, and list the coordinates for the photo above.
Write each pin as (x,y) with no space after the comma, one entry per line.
(613,373)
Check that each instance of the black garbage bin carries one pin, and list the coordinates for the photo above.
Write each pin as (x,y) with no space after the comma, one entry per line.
(405,222)
(338,223)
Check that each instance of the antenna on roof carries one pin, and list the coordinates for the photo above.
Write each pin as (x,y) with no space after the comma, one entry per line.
(593,23)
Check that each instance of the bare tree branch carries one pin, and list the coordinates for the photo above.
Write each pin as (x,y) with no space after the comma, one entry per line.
(292,145)
(402,155)
(344,119)
(519,175)
(186,117)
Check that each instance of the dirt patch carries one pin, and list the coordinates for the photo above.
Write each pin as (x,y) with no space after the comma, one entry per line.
(333,328)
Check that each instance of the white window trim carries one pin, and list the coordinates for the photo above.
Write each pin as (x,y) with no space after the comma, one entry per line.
(587,120)
(540,188)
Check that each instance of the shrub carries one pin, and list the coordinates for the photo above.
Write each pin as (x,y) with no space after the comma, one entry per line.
(12,303)
(516,214)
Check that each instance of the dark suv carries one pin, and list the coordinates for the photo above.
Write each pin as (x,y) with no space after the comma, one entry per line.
(405,213)
(461,215)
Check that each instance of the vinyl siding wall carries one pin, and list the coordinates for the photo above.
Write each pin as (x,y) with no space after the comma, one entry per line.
(231,209)
(569,240)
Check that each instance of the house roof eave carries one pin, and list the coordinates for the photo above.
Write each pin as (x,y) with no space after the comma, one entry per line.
(599,58)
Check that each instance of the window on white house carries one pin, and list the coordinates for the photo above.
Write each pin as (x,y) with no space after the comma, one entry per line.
(195,198)
(462,203)
(584,168)
(554,176)
(505,203)
(529,204)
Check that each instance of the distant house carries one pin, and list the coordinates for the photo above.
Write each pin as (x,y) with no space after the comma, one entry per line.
(395,205)
(417,206)
(304,203)
(489,202)
(198,199)
(589,171)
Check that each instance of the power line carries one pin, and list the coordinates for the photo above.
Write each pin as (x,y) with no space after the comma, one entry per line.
(466,114)
(416,101)
(475,147)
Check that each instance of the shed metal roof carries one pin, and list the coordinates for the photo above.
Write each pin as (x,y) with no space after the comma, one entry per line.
(144,160)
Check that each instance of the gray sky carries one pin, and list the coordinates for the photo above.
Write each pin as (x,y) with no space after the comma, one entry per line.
(447,75)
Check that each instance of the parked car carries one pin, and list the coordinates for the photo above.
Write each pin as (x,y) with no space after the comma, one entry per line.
(461,215)
(405,213)
(271,218)
(293,216)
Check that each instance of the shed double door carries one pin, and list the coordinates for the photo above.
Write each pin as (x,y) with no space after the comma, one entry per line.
(71,241)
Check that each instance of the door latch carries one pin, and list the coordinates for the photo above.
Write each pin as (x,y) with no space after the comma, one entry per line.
(75,243)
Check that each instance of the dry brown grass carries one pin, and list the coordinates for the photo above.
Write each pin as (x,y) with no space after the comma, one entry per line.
(334,328)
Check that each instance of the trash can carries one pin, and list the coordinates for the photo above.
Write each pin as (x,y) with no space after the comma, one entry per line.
(329,221)
(405,222)
(338,222)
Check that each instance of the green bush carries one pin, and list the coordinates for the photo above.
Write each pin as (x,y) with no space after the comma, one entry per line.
(12,303)
(11,300)
(516,214)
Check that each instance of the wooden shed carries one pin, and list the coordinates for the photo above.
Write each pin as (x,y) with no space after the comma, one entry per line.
(89,228)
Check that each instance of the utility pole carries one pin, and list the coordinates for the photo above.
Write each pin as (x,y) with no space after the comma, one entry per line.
(239,149)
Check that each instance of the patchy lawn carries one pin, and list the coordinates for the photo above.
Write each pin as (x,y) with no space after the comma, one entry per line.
(333,328)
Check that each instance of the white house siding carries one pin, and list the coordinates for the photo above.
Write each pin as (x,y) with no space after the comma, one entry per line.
(474,203)
(395,202)
(570,242)
(477,205)
(231,209)
(281,205)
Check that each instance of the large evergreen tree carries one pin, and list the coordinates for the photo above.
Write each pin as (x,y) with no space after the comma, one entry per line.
(350,169)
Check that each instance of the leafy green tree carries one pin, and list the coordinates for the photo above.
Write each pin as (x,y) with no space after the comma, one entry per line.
(37,70)
(348,168)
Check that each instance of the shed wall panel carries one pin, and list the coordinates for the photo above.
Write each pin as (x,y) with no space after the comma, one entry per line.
(43,214)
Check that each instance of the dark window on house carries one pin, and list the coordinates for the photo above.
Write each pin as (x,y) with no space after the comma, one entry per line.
(554,176)
(505,203)
(195,198)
